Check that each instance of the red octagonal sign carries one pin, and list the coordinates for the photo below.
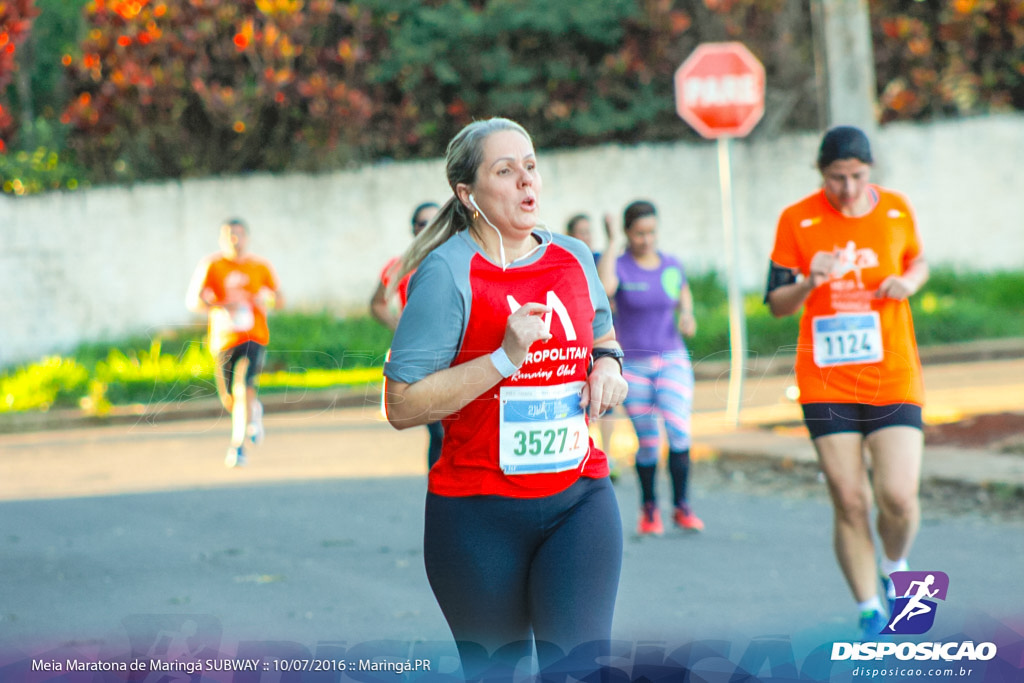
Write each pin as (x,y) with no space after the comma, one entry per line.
(720,90)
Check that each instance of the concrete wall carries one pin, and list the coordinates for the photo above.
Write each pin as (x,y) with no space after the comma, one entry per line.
(107,262)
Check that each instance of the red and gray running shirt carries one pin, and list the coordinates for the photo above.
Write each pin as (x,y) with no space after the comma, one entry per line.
(525,437)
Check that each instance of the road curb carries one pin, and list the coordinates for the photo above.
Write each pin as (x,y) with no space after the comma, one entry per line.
(196,409)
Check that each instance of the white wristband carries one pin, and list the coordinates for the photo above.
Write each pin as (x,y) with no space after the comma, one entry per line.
(502,363)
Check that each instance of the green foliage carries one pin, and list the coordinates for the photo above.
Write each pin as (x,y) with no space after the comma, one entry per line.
(190,87)
(541,63)
(53,381)
(766,336)
(996,290)
(56,33)
(576,72)
(954,307)
(708,290)
(41,168)
(153,377)
(33,152)
(300,342)
(319,351)
(320,379)
(308,351)
(174,88)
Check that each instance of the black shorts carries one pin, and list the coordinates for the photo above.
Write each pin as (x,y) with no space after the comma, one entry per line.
(823,419)
(229,358)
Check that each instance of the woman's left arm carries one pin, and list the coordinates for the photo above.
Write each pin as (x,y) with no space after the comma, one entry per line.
(906,285)
(605,387)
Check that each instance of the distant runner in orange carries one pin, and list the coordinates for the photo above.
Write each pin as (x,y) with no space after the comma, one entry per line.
(849,255)
(235,289)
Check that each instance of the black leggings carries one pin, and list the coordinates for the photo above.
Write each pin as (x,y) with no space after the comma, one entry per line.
(506,571)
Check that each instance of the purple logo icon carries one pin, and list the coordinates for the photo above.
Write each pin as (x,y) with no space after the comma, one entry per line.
(913,612)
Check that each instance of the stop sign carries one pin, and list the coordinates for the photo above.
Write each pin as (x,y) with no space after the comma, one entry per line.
(720,90)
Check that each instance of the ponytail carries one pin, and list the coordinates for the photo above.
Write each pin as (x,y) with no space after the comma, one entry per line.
(462,159)
(452,218)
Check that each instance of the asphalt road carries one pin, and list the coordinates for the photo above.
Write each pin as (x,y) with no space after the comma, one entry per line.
(112,536)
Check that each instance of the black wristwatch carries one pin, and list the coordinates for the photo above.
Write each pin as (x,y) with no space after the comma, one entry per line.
(606,352)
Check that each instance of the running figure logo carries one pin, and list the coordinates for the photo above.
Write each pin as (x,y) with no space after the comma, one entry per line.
(913,612)
(850,259)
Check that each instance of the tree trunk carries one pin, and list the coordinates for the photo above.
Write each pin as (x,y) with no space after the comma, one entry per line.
(844,63)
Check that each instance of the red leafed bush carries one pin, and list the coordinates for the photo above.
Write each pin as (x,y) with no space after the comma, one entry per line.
(168,88)
(172,88)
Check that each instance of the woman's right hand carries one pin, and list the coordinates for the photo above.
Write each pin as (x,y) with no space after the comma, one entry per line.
(821,268)
(524,327)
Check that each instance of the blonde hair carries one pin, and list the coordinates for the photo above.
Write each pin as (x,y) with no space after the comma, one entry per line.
(463,158)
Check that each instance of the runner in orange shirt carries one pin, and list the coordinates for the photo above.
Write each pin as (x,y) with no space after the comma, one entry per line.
(849,255)
(235,288)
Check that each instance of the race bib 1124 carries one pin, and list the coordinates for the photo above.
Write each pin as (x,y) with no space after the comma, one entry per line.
(847,338)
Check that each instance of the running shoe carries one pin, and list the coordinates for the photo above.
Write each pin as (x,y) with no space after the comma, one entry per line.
(685,519)
(890,592)
(255,428)
(871,624)
(650,521)
(235,457)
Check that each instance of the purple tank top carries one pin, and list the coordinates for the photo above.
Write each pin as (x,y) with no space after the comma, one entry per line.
(645,306)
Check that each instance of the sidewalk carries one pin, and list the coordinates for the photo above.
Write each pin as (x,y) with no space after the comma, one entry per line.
(771,425)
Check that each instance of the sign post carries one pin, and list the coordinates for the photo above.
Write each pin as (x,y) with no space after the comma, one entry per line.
(720,93)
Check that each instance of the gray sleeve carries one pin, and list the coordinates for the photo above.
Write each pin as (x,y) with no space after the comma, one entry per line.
(602,309)
(431,326)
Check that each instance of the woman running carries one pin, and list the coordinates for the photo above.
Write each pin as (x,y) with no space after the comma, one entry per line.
(507,338)
(849,256)
(653,312)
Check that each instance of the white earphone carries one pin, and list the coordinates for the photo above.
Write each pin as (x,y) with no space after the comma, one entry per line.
(501,242)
